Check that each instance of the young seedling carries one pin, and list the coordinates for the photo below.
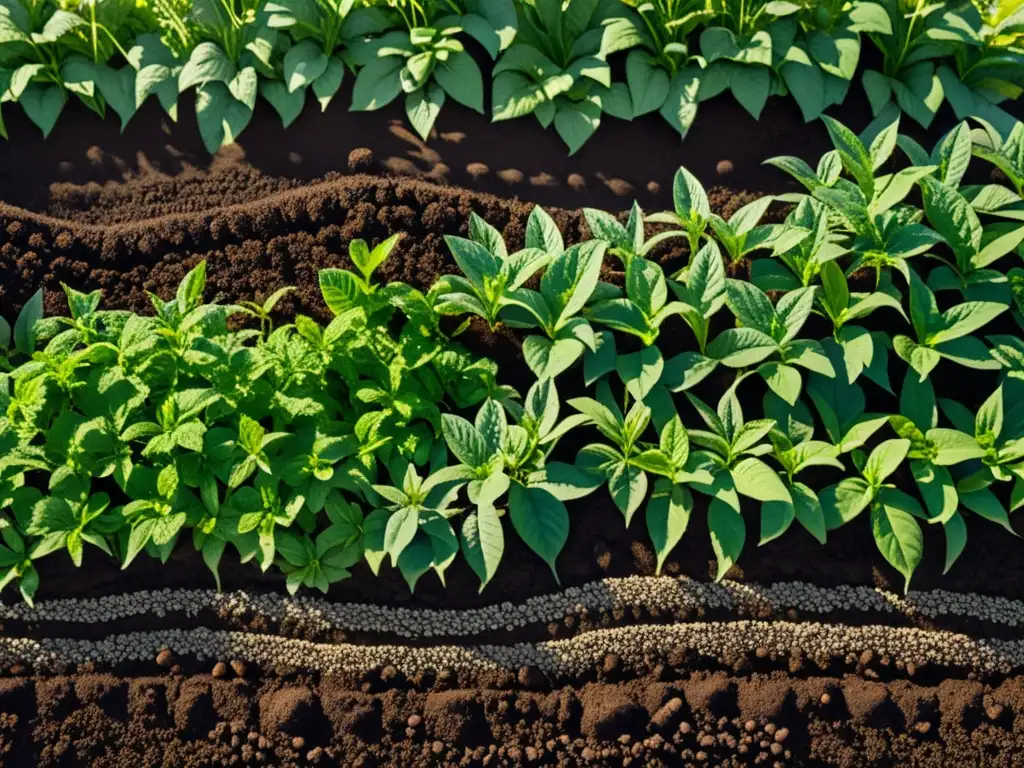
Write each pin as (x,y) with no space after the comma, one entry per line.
(768,330)
(644,308)
(566,286)
(794,448)
(731,453)
(625,242)
(893,525)
(945,334)
(492,276)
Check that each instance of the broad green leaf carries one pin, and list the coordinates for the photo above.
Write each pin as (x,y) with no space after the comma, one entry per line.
(541,521)
(885,459)
(898,537)
(841,503)
(668,515)
(483,542)
(640,371)
(757,480)
(728,533)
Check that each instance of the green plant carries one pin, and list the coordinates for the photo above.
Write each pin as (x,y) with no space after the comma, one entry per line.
(985,74)
(625,242)
(945,334)
(803,263)
(49,50)
(692,211)
(322,31)
(795,450)
(498,458)
(426,60)
(558,71)
(998,430)
(569,280)
(765,331)
(661,73)
(816,51)
(860,347)
(893,525)
(731,451)
(737,46)
(643,309)
(702,291)
(493,276)
(923,34)
(229,47)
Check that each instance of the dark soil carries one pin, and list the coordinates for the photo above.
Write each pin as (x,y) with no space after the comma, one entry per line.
(87,169)
(667,716)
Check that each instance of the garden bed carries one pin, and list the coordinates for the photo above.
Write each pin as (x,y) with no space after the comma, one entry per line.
(133,213)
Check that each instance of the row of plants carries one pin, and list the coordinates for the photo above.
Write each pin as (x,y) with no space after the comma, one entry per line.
(552,57)
(379,437)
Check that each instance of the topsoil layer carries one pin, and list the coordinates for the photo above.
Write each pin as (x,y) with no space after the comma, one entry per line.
(667,716)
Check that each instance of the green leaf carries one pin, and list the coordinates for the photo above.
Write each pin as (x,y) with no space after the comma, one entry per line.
(808,511)
(853,153)
(25,325)
(542,232)
(628,487)
(741,347)
(776,517)
(757,480)
(548,359)
(841,503)
(986,504)
(648,83)
(483,542)
(640,371)
(400,531)
(750,305)
(460,77)
(937,490)
(377,84)
(600,362)
(416,560)
(423,106)
(954,447)
(576,122)
(885,459)
(728,533)
(898,537)
(208,63)
(952,217)
(668,515)
(287,104)
(43,105)
(464,440)
(956,539)
(540,520)
(783,380)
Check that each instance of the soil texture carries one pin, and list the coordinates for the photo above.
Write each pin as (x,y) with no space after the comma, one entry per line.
(286,718)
